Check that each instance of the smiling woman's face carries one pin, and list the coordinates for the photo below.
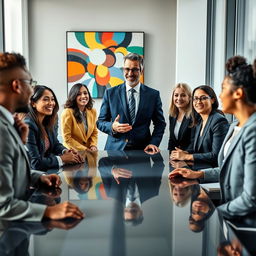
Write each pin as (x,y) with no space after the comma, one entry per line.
(45,104)
(180,98)
(202,102)
(82,98)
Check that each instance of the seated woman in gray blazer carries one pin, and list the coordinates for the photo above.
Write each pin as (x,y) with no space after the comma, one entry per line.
(237,158)
(210,128)
(44,149)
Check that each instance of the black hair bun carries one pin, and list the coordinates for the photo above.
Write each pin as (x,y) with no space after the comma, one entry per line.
(235,62)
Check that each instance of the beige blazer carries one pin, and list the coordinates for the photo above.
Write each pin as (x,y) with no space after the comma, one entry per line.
(73,133)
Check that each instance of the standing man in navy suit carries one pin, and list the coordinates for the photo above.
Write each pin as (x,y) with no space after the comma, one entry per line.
(128,109)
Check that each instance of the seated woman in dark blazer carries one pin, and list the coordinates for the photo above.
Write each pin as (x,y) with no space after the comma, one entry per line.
(180,117)
(44,149)
(210,128)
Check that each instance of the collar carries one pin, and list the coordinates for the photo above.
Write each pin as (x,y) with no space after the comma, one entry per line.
(8,115)
(136,88)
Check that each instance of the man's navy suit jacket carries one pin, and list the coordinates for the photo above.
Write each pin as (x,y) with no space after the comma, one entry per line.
(149,109)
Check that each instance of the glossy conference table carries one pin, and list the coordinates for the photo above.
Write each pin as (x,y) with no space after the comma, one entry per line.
(165,219)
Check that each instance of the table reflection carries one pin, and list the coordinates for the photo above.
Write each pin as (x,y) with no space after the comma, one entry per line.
(131,179)
(131,208)
(201,209)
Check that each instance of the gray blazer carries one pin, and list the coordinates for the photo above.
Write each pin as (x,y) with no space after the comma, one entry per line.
(16,177)
(237,171)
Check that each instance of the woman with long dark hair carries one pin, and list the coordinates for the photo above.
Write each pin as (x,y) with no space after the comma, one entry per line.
(210,128)
(78,120)
(44,149)
(237,156)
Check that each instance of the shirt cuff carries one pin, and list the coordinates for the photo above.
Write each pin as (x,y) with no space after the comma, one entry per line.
(64,151)
(60,161)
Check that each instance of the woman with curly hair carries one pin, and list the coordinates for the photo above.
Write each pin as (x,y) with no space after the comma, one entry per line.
(237,156)
(78,120)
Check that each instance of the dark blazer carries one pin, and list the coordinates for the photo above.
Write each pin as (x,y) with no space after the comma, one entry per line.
(215,130)
(184,136)
(39,159)
(146,176)
(150,109)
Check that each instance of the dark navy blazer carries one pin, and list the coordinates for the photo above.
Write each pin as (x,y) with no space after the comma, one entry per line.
(184,137)
(39,159)
(149,109)
(208,146)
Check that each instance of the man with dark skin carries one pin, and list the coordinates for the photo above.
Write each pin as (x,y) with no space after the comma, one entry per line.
(15,174)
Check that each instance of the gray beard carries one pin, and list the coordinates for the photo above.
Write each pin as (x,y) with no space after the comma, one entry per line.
(132,84)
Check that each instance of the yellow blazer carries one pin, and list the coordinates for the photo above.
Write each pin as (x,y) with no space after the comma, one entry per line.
(73,133)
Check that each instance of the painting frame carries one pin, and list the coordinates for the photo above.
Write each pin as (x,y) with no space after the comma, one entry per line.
(95,58)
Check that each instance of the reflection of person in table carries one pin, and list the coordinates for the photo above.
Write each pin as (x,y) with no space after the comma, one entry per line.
(15,238)
(131,179)
(80,177)
(201,209)
(233,248)
(180,195)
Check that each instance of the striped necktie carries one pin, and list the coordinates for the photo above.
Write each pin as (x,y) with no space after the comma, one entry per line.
(132,105)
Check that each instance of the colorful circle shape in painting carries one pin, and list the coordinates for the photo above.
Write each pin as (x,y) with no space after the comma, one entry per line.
(96,58)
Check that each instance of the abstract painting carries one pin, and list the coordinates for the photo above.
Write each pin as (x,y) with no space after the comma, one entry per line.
(96,58)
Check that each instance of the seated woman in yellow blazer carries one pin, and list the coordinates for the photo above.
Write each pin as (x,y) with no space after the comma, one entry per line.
(78,120)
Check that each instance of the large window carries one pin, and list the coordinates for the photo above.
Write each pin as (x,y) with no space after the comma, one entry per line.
(231,31)
(1,26)
(216,40)
(246,30)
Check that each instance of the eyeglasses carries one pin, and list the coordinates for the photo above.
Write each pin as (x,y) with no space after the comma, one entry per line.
(133,70)
(31,82)
(202,98)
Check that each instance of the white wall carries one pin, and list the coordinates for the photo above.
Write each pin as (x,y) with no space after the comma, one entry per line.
(50,19)
(191,42)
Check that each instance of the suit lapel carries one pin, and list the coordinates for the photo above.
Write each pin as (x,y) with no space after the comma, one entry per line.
(221,153)
(206,128)
(51,139)
(89,116)
(197,134)
(17,137)
(172,126)
(123,100)
(81,128)
(184,125)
